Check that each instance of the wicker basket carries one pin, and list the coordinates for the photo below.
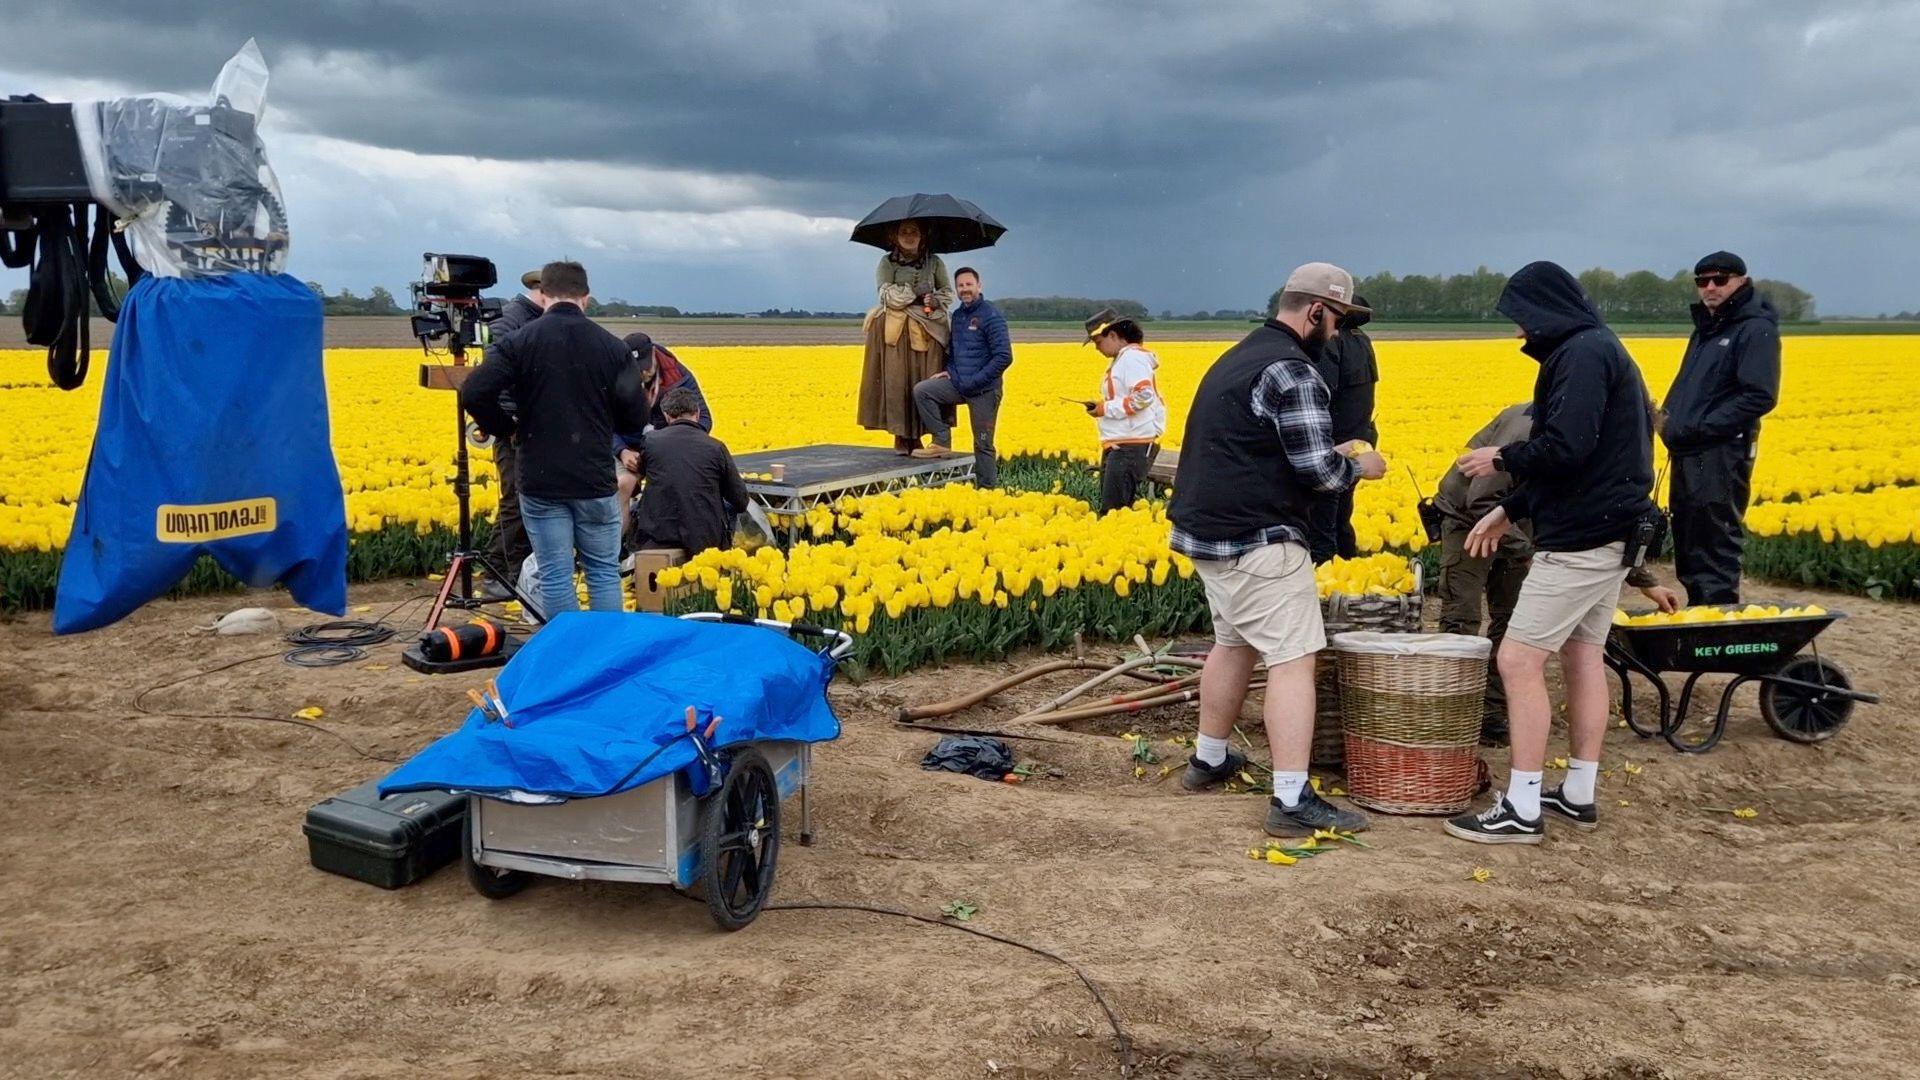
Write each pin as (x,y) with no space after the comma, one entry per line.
(1345,614)
(1411,705)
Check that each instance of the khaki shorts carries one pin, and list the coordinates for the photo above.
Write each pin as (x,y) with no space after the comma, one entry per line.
(1568,595)
(1265,599)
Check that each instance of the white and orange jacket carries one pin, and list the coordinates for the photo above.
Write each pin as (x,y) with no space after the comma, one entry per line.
(1131,410)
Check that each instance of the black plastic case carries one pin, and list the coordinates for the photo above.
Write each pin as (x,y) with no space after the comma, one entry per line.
(387,842)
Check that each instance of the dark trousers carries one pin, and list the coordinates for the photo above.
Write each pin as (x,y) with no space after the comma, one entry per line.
(936,398)
(1330,526)
(1465,583)
(1708,499)
(509,546)
(1122,470)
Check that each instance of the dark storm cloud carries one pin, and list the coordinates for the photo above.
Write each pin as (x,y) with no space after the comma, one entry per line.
(1182,153)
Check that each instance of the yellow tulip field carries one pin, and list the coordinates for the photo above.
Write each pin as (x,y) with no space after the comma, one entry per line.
(1836,491)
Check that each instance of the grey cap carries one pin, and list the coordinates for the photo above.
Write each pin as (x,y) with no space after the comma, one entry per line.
(1324,281)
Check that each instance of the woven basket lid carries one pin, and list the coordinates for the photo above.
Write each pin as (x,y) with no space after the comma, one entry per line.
(1457,646)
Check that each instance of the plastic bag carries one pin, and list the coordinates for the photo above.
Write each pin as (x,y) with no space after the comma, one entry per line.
(190,181)
(975,755)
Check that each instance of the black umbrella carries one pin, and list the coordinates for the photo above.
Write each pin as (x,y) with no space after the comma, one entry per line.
(950,224)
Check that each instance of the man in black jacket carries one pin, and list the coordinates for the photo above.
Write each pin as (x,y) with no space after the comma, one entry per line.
(1728,380)
(574,385)
(693,488)
(1584,478)
(1258,448)
(509,546)
(1349,368)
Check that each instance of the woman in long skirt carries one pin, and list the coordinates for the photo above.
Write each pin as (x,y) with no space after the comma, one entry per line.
(906,335)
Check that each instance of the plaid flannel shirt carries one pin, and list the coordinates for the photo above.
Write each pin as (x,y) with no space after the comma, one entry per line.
(1291,396)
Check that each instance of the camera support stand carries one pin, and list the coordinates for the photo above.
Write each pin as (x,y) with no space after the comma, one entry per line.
(464,559)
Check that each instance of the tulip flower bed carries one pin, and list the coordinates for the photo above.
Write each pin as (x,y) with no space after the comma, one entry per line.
(1836,490)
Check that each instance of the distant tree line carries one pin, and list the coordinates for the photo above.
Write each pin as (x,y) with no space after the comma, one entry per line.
(1065,308)
(1640,296)
(378,301)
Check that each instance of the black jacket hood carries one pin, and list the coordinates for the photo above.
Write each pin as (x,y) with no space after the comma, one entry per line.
(1549,304)
(1744,304)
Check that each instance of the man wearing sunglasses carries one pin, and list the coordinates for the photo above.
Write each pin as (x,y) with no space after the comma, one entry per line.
(1728,380)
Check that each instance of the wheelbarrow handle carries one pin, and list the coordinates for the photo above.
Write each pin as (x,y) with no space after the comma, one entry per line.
(1838,691)
(842,642)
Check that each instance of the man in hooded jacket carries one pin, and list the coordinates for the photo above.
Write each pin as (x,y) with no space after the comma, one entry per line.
(1728,379)
(1584,476)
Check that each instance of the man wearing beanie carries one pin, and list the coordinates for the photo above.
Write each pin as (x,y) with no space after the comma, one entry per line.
(1258,450)
(1710,421)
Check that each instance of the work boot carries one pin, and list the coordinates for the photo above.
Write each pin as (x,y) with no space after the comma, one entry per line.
(934,451)
(1200,775)
(1311,814)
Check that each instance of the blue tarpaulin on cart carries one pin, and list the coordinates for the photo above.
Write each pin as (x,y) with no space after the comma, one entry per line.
(597,704)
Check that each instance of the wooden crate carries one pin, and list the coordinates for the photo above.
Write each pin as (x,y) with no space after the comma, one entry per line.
(647,593)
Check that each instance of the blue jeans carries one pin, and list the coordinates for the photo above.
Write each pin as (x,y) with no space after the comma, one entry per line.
(558,527)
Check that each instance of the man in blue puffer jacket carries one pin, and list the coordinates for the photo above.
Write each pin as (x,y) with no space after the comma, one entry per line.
(979,354)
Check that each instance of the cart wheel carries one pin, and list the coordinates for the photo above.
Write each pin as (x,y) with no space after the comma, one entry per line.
(740,840)
(490,882)
(1807,716)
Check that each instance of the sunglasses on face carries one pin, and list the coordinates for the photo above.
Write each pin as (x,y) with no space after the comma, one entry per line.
(1701,281)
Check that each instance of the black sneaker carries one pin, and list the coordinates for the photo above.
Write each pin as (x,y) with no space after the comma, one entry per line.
(1200,776)
(1582,816)
(1312,812)
(1498,824)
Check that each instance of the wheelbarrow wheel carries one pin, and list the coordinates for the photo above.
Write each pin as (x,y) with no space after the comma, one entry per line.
(489,881)
(740,841)
(1802,715)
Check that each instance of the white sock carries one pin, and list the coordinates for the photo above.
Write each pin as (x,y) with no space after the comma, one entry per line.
(1209,750)
(1523,793)
(1287,787)
(1578,787)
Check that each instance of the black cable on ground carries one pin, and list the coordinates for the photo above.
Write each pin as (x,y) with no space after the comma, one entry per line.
(319,645)
(140,704)
(1123,1045)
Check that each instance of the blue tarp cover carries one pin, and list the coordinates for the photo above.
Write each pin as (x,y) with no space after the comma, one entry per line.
(598,704)
(213,440)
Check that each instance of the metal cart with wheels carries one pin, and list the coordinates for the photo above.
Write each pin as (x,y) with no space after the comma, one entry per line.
(724,844)
(1804,697)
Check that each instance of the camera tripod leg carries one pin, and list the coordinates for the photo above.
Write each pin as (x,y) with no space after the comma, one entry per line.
(460,567)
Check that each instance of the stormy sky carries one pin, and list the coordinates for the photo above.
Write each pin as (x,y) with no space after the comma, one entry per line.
(714,154)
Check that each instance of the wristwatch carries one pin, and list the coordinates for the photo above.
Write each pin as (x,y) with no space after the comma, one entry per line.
(1499,465)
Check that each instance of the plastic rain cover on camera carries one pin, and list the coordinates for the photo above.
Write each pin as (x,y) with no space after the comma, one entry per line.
(597,704)
(190,182)
(213,439)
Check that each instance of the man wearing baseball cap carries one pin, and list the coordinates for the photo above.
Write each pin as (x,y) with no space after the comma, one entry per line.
(1728,379)
(1258,449)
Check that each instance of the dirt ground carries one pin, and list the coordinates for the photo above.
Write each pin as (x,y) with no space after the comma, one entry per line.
(161,915)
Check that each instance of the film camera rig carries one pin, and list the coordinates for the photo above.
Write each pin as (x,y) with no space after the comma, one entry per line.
(447,303)
(449,316)
(188,184)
